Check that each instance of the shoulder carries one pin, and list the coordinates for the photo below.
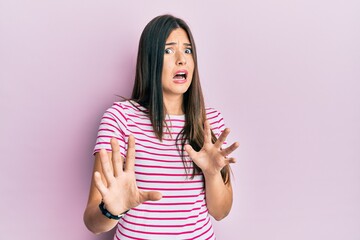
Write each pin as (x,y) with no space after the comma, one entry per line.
(215,118)
(125,110)
(213,114)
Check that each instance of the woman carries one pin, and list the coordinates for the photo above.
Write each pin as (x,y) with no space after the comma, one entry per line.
(179,174)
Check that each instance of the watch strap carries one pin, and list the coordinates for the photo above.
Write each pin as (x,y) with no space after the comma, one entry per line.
(108,214)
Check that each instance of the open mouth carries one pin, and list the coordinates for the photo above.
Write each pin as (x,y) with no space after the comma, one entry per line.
(180,75)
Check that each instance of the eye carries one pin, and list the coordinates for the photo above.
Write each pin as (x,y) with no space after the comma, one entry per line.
(188,51)
(168,51)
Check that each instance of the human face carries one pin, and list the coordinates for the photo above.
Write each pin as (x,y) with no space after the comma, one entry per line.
(178,66)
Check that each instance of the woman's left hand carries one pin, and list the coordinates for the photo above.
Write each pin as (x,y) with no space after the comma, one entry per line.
(212,158)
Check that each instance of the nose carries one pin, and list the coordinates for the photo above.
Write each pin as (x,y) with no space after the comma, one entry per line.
(180,58)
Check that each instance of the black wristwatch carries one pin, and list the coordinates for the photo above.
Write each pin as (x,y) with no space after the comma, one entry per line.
(108,214)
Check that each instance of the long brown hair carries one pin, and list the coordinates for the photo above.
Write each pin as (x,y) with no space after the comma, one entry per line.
(147,89)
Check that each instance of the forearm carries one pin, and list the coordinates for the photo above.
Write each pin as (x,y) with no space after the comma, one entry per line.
(218,196)
(95,221)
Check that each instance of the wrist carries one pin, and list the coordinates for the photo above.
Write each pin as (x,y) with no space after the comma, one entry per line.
(109,214)
(211,174)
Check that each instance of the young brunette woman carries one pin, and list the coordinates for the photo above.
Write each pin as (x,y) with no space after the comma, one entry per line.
(160,169)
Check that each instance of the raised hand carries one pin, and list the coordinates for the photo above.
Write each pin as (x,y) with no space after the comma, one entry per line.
(121,192)
(212,158)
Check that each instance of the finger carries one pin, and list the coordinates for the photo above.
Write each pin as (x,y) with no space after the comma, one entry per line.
(230,149)
(230,160)
(207,132)
(117,159)
(106,166)
(222,138)
(99,184)
(130,155)
(190,151)
(150,196)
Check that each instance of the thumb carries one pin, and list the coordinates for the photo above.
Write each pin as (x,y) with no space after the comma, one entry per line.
(150,196)
(190,151)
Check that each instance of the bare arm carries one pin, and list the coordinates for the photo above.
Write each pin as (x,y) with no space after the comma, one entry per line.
(114,182)
(211,159)
(219,196)
(94,220)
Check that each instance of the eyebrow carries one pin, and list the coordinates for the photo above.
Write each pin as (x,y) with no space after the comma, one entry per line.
(174,43)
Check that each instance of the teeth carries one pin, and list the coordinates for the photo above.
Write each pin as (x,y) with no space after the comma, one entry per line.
(181,75)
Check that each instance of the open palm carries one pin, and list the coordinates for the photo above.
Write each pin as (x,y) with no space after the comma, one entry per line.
(121,192)
(212,158)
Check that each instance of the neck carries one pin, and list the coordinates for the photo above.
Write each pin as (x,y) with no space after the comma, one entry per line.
(173,105)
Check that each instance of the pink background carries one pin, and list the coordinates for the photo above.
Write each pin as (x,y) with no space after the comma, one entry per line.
(285,74)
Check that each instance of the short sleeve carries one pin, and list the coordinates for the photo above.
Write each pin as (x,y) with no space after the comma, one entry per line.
(216,121)
(113,124)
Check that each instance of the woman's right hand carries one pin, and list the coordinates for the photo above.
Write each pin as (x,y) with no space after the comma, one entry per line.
(120,192)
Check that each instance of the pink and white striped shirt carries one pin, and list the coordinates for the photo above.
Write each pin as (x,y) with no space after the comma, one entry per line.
(182,212)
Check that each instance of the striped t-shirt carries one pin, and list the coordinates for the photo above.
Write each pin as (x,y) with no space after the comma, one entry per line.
(182,212)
